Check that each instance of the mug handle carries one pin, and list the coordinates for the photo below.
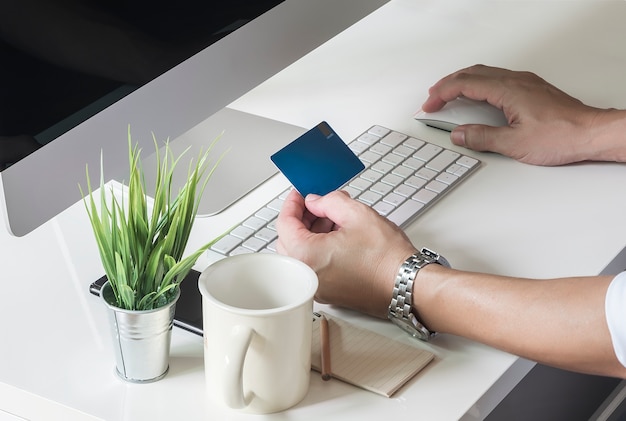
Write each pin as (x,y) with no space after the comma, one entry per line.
(236,350)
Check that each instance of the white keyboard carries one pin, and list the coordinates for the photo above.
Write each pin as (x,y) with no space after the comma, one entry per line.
(403,176)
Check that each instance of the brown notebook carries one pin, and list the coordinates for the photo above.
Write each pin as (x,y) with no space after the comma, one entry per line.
(367,359)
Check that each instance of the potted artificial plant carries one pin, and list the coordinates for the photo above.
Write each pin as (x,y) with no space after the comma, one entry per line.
(142,250)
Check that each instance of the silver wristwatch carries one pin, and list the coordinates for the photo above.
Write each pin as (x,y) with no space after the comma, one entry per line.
(400,308)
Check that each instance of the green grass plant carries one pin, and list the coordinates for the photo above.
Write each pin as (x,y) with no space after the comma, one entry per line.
(142,249)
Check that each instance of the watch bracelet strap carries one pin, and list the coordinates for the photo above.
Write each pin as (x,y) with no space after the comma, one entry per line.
(402,299)
(403,289)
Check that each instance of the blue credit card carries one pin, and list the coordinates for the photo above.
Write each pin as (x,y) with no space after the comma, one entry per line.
(318,162)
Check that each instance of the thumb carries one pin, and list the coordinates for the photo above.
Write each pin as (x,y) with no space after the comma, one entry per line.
(479,137)
(336,206)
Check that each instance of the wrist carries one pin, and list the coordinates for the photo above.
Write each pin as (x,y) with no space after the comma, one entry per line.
(607,136)
(428,285)
(385,276)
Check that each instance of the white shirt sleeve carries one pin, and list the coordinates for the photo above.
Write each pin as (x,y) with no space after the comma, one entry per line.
(615,310)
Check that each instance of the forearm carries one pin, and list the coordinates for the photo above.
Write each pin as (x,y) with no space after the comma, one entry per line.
(559,322)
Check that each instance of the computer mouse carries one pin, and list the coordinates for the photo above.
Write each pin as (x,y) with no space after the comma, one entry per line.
(463,111)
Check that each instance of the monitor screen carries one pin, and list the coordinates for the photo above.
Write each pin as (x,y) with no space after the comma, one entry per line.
(44,183)
(63,61)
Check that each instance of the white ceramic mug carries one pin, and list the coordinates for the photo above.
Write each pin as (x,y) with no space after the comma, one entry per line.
(257,319)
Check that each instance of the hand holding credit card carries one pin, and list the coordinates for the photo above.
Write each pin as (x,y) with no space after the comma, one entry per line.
(317,162)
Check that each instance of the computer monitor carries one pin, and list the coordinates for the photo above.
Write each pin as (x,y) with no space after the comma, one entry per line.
(45,183)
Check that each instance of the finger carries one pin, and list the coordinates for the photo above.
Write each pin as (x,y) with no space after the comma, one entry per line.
(310,220)
(481,83)
(483,138)
(336,206)
(291,218)
(296,224)
(293,206)
(433,103)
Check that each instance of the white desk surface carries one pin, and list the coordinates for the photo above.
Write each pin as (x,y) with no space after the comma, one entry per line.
(56,360)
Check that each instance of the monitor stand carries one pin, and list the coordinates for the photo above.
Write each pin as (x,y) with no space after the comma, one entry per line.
(246,142)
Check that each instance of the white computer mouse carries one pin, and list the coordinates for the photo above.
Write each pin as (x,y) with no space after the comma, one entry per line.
(463,111)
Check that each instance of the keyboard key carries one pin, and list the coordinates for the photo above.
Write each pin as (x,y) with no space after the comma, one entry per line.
(402,171)
(413,163)
(415,182)
(368,138)
(255,244)
(266,235)
(392,159)
(427,152)
(414,143)
(382,167)
(404,212)
(426,174)
(403,151)
(360,183)
(436,186)
(405,190)
(352,191)
(383,208)
(424,196)
(447,178)
(369,156)
(242,232)
(370,197)
(240,250)
(381,188)
(276,204)
(370,175)
(381,149)
(457,170)
(394,199)
(392,179)
(358,147)
(266,214)
(254,222)
(443,160)
(466,161)
(378,131)
(394,138)
(271,247)
(226,244)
